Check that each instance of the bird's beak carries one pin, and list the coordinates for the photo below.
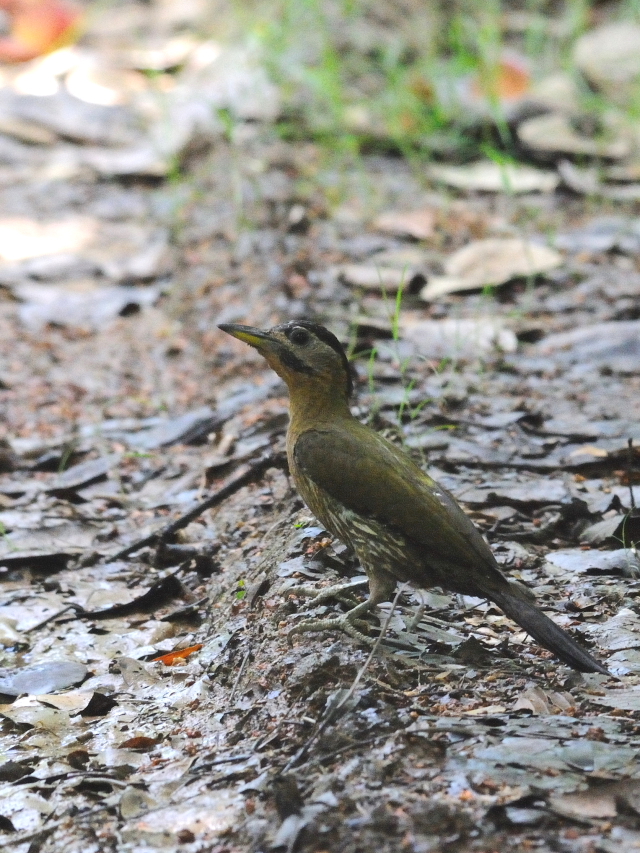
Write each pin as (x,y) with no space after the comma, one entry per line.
(254,337)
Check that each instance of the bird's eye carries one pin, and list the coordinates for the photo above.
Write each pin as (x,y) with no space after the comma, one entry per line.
(299,336)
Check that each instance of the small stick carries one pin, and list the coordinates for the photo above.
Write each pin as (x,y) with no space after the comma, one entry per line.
(630,473)
(298,757)
(243,666)
(75,607)
(247,475)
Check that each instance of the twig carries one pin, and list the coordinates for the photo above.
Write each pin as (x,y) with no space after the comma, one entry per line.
(630,474)
(302,752)
(374,649)
(417,617)
(247,475)
(243,666)
(346,747)
(47,829)
(75,607)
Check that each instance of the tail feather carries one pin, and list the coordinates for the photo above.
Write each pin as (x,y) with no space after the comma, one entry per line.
(547,633)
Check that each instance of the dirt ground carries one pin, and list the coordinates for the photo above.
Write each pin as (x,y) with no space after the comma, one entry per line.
(124,408)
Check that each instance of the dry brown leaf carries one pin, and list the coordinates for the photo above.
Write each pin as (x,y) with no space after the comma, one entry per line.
(597,803)
(383,279)
(491,262)
(458,338)
(487,176)
(554,134)
(418,224)
(486,711)
(609,57)
(589,450)
(543,702)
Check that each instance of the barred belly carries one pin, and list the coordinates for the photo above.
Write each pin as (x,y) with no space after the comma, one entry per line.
(379,548)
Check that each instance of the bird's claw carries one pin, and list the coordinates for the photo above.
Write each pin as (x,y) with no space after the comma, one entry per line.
(338,623)
(345,623)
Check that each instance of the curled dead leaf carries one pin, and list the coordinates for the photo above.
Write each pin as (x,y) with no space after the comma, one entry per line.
(491,262)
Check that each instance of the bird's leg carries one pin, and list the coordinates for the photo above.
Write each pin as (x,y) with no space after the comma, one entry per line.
(380,589)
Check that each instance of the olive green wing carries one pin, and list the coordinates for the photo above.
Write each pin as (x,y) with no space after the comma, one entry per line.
(373,478)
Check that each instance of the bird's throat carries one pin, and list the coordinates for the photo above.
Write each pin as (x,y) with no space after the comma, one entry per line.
(312,405)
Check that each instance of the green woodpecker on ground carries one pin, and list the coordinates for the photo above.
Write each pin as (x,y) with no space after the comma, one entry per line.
(402,525)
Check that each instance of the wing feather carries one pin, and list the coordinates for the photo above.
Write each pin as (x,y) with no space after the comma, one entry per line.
(382,482)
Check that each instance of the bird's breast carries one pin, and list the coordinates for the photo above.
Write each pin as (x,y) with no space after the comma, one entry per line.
(376,546)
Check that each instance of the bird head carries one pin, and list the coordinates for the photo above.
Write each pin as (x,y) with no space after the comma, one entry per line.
(306,355)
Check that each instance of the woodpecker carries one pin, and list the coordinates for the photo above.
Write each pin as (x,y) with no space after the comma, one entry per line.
(402,525)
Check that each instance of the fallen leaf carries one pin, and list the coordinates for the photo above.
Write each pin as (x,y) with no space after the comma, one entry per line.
(22,237)
(486,711)
(609,57)
(185,428)
(491,262)
(162,56)
(453,338)
(554,134)
(134,802)
(153,598)
(36,715)
(135,673)
(542,702)
(47,544)
(8,634)
(619,528)
(557,92)
(621,631)
(70,307)
(176,657)
(599,802)
(487,176)
(38,27)
(72,701)
(140,743)
(84,473)
(602,234)
(25,808)
(98,82)
(384,279)
(588,182)
(213,813)
(589,450)
(614,344)
(42,678)
(418,224)
(623,561)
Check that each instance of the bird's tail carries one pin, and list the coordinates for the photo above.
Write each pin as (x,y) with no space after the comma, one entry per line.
(547,633)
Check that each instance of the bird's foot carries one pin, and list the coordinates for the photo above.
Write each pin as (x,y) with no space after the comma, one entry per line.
(337,591)
(345,623)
